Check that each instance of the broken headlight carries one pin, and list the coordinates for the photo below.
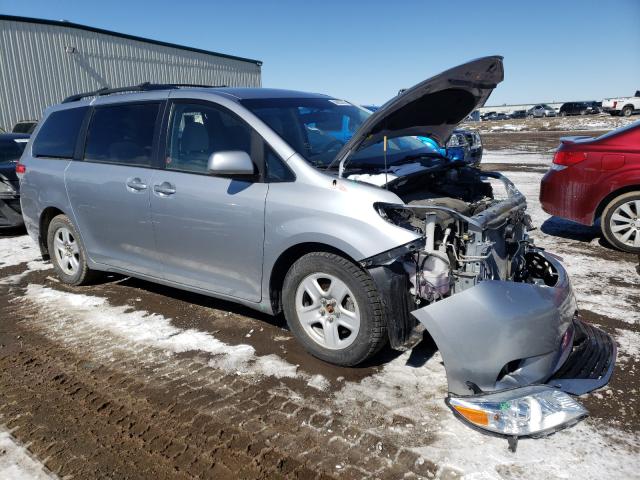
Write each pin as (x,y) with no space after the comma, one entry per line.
(398,216)
(526,411)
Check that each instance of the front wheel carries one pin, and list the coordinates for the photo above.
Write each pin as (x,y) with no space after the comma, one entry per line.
(333,308)
(620,222)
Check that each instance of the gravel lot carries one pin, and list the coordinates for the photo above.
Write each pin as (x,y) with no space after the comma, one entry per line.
(127,379)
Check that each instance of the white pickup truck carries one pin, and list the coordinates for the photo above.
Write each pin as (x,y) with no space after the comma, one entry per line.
(622,105)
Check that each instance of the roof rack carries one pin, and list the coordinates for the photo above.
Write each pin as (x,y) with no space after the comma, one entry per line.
(142,87)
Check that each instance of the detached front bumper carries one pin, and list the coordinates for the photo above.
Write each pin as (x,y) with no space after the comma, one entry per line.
(511,351)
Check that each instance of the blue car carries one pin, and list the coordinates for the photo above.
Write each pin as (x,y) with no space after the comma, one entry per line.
(463,145)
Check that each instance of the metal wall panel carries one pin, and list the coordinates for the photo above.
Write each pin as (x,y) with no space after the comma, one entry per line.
(42,64)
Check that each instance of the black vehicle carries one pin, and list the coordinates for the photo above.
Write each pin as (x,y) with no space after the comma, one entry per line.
(11,147)
(25,126)
(518,114)
(579,108)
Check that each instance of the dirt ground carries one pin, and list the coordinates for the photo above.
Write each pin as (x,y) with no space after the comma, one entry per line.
(125,379)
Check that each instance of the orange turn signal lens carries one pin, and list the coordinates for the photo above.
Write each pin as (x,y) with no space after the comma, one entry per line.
(474,416)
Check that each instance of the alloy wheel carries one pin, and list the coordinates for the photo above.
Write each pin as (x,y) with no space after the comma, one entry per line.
(327,311)
(66,250)
(625,223)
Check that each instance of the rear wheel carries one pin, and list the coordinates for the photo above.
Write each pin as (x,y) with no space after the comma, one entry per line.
(620,222)
(627,111)
(333,308)
(67,252)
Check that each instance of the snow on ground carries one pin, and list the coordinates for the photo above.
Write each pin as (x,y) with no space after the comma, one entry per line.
(568,124)
(68,312)
(588,450)
(17,250)
(515,157)
(16,463)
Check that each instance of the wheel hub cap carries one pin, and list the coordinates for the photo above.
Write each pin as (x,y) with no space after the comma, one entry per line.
(625,223)
(327,311)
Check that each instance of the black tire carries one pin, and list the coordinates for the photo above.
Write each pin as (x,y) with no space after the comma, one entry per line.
(606,222)
(627,110)
(372,334)
(83,275)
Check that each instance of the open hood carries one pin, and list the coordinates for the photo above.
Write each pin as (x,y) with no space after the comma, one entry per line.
(432,108)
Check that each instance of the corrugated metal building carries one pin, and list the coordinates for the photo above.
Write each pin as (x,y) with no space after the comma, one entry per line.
(44,61)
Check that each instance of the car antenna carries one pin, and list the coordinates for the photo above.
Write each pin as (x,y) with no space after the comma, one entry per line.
(384,149)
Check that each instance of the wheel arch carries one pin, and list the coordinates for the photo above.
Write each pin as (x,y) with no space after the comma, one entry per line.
(611,196)
(46,216)
(288,258)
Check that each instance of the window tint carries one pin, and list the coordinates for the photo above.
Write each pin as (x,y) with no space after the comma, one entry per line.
(277,171)
(122,134)
(57,137)
(198,130)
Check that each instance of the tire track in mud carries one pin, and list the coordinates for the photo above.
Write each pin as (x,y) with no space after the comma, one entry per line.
(91,406)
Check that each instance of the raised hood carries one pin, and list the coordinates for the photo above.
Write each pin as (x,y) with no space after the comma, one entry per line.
(432,108)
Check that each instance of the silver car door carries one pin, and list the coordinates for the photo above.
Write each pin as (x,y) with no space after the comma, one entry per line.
(209,230)
(109,189)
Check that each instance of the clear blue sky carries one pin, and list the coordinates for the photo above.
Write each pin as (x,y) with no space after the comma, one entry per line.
(365,51)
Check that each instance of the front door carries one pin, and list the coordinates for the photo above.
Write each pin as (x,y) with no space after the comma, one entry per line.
(109,189)
(209,230)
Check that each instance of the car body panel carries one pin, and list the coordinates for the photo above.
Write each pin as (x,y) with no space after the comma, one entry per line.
(114,219)
(612,163)
(511,320)
(420,110)
(216,246)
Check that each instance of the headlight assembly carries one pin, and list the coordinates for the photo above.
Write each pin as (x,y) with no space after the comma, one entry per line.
(529,411)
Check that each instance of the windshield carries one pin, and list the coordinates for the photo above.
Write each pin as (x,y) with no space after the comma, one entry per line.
(317,128)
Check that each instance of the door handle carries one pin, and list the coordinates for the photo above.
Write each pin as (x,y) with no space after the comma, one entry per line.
(136,184)
(165,188)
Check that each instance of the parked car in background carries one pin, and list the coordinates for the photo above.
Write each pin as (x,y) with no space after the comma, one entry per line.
(541,110)
(625,106)
(463,144)
(11,147)
(25,126)
(579,108)
(486,115)
(372,242)
(497,116)
(595,179)
(518,114)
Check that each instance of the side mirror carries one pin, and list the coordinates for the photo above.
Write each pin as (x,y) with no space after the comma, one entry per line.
(231,162)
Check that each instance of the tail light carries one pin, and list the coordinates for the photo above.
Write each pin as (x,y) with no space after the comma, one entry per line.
(568,158)
(20,168)
(615,104)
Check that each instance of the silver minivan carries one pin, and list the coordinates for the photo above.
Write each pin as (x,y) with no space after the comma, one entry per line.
(312,206)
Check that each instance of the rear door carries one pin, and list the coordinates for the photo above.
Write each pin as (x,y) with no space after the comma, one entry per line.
(109,189)
(209,230)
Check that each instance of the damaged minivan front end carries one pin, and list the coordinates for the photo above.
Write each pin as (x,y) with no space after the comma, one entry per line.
(500,310)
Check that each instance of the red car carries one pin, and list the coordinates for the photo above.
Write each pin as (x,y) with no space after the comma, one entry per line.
(598,178)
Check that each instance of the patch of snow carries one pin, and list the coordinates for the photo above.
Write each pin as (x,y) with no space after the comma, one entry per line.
(17,464)
(515,157)
(32,266)
(629,343)
(17,250)
(589,450)
(68,311)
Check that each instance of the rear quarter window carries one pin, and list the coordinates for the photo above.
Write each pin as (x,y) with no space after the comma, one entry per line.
(58,135)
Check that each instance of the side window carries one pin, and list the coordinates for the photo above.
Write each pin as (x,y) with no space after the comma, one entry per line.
(122,134)
(197,130)
(58,135)
(277,171)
